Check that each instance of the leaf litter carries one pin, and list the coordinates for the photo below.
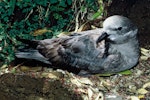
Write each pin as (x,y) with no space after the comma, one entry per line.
(133,84)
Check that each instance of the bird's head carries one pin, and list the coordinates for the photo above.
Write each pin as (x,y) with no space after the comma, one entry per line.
(118,29)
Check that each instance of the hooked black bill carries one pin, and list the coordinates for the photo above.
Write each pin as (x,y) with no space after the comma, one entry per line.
(102,37)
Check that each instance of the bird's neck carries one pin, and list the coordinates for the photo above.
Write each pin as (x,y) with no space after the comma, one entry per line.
(130,48)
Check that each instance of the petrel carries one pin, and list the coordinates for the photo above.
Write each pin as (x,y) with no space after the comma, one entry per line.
(110,49)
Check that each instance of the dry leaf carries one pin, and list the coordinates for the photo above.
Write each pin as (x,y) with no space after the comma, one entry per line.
(4,66)
(24,68)
(107,83)
(145,52)
(63,34)
(85,97)
(40,31)
(142,91)
(80,90)
(146,85)
(27,68)
(144,58)
(134,98)
(90,93)
(141,96)
(76,82)
(84,27)
(44,74)
(100,96)
(50,75)
(138,72)
(85,81)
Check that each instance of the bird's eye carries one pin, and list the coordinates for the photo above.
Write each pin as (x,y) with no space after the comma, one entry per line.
(119,28)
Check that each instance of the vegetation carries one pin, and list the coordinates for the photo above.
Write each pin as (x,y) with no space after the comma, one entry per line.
(39,19)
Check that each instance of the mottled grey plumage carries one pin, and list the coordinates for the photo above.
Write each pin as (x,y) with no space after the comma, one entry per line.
(111,49)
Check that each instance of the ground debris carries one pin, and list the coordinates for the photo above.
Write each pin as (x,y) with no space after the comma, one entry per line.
(42,83)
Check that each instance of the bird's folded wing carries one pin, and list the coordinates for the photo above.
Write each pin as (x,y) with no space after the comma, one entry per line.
(79,51)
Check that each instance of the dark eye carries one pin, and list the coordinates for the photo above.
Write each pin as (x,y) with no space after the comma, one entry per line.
(119,28)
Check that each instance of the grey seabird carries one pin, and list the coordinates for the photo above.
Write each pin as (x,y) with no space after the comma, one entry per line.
(110,49)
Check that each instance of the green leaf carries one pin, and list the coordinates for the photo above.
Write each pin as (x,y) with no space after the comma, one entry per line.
(1,37)
(53,1)
(57,17)
(126,72)
(106,74)
(62,3)
(96,15)
(12,6)
(69,2)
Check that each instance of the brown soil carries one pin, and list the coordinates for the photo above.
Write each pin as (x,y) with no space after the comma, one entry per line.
(25,86)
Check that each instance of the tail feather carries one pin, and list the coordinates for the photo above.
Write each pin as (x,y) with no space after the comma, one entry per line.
(32,54)
(35,49)
(31,43)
